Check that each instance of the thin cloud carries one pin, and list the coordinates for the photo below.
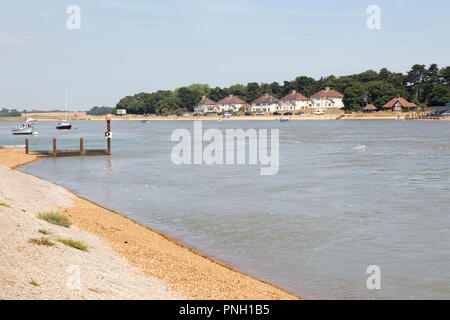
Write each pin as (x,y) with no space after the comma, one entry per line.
(11,39)
(324,13)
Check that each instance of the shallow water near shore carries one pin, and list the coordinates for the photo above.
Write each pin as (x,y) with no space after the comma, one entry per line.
(347,195)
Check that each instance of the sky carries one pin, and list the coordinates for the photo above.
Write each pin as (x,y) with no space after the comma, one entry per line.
(126,47)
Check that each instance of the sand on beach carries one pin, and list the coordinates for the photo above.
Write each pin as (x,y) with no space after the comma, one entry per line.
(125,260)
(10,158)
(37,271)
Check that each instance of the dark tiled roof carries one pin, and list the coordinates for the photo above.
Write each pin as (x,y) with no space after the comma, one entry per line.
(266,99)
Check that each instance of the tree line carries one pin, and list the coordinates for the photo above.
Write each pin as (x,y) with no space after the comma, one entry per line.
(99,111)
(9,113)
(425,86)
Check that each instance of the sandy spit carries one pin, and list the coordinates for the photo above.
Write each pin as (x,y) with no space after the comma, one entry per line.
(13,159)
(125,259)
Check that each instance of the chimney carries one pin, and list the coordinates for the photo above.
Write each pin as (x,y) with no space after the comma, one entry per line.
(398,95)
(266,95)
(231,96)
(327,88)
(294,91)
(203,97)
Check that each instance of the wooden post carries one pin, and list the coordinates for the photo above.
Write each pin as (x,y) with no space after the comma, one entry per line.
(26,146)
(108,129)
(54,145)
(81,145)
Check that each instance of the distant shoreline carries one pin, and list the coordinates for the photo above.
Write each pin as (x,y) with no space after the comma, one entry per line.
(356,116)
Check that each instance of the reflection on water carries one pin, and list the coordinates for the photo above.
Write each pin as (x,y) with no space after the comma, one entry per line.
(347,195)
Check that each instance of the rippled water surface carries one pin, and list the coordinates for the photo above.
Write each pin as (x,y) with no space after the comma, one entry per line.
(348,194)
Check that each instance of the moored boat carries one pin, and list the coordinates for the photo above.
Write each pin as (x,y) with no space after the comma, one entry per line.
(24,129)
(64,126)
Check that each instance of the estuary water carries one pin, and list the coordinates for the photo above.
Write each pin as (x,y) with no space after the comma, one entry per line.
(348,195)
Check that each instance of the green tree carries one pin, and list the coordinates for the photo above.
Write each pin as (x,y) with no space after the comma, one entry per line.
(445,76)
(238,90)
(217,94)
(304,85)
(200,89)
(379,93)
(415,80)
(253,92)
(367,76)
(384,74)
(99,111)
(431,80)
(353,96)
(439,96)
(188,98)
(276,90)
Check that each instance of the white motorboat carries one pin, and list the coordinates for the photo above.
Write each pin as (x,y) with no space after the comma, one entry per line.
(24,129)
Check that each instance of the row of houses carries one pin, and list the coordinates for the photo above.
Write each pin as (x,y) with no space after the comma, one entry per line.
(324,99)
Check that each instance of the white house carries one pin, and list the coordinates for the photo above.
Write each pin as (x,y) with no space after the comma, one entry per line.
(294,101)
(327,99)
(230,103)
(205,105)
(265,103)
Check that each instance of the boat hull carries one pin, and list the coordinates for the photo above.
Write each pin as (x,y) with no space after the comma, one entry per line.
(26,131)
(64,127)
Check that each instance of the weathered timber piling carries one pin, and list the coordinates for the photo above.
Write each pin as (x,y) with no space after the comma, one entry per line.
(80,152)
(108,132)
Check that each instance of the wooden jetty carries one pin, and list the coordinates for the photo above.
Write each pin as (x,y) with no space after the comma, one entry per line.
(73,153)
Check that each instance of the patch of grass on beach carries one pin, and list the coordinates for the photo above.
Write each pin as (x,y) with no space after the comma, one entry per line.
(74,244)
(34,283)
(41,242)
(5,205)
(44,231)
(55,218)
